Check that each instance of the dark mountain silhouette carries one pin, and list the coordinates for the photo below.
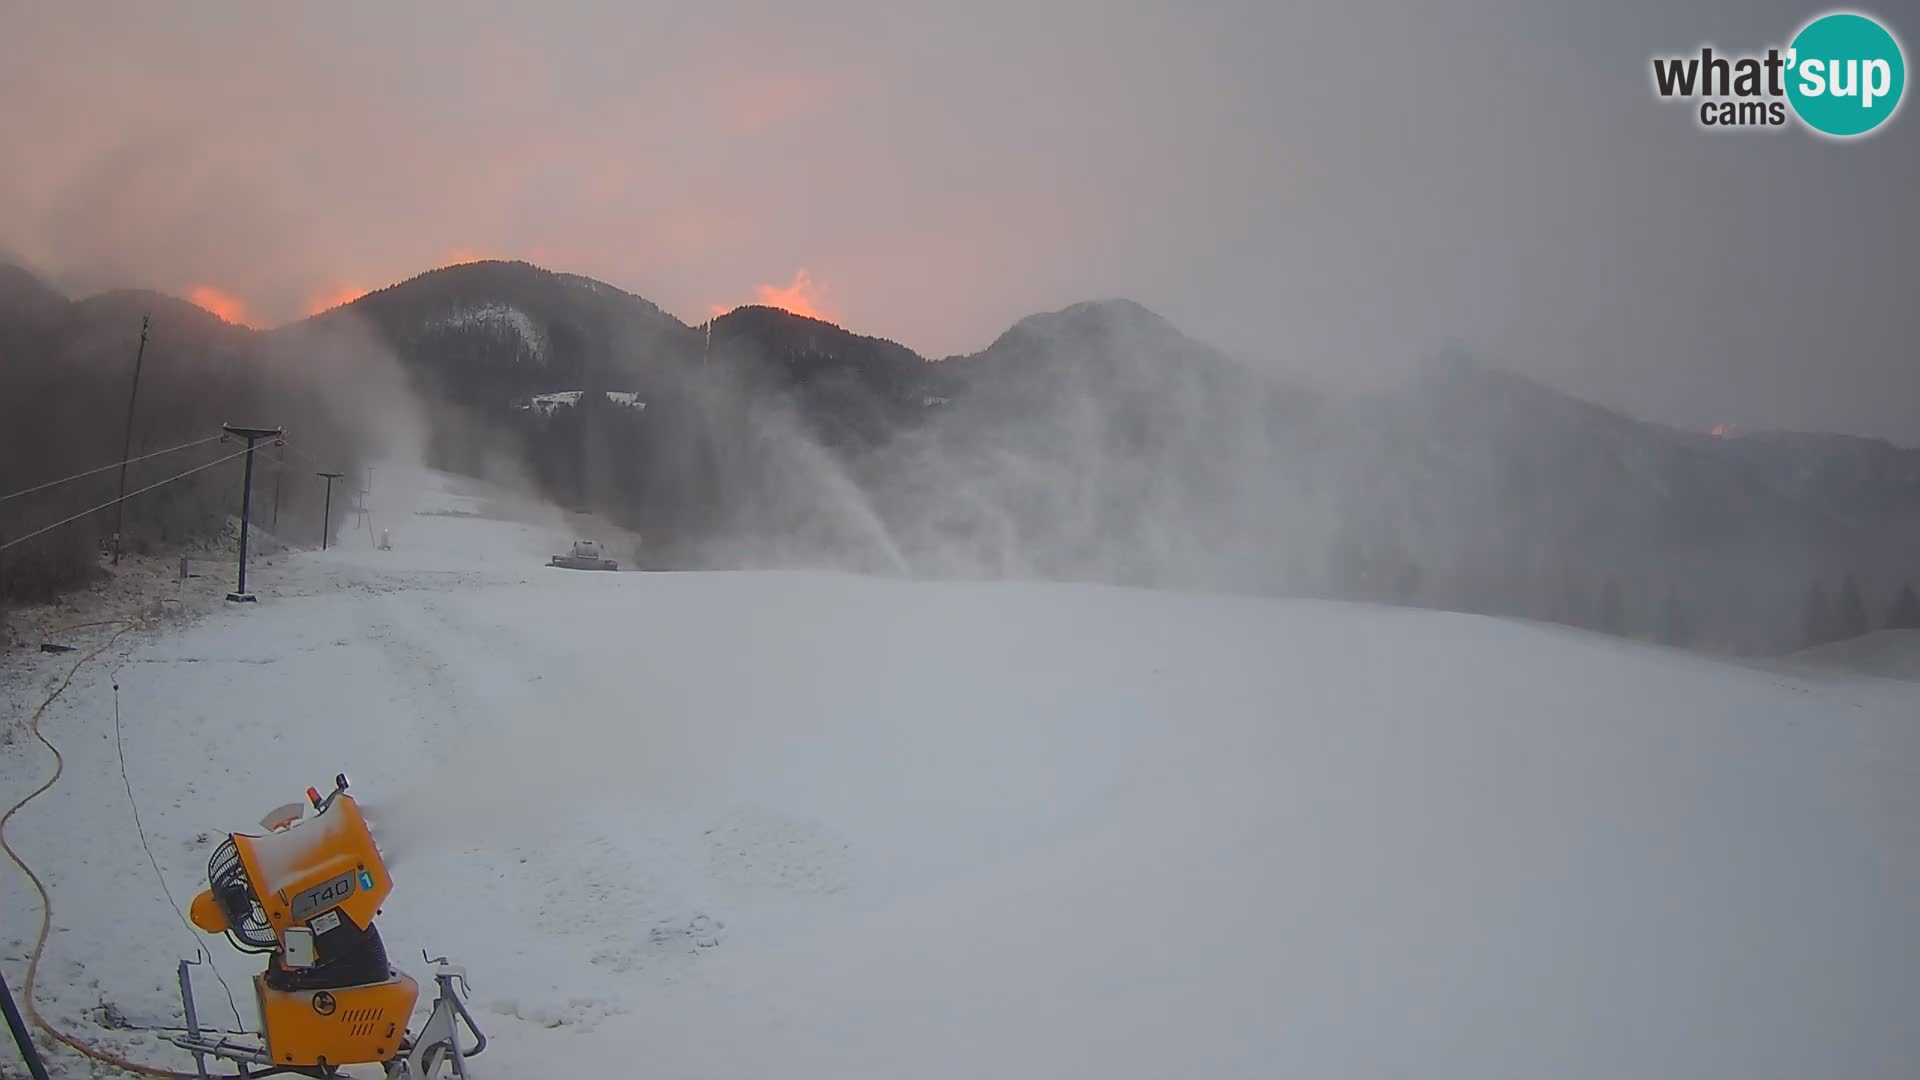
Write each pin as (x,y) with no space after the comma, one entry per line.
(797,350)
(25,298)
(851,390)
(479,332)
(1098,443)
(1107,349)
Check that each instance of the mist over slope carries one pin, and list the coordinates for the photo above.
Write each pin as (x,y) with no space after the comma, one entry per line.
(1102,443)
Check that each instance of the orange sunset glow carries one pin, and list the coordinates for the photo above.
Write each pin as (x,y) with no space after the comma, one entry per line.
(801,297)
(333,298)
(226,306)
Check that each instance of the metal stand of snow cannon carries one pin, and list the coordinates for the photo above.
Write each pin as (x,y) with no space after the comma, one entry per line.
(439,1041)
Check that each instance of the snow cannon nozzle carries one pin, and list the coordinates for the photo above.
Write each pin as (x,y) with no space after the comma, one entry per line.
(339,786)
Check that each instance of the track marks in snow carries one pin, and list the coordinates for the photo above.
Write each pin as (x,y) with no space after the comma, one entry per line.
(666,949)
(619,899)
(754,848)
(581,1013)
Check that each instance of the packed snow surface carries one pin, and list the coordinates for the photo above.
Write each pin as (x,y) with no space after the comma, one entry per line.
(811,825)
(1890,654)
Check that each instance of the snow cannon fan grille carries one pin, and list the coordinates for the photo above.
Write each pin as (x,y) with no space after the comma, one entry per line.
(248,930)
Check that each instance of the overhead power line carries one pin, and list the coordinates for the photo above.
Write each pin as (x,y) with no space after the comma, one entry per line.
(128,495)
(113,465)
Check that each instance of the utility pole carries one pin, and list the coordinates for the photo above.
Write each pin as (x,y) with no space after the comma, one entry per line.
(240,595)
(327,514)
(126,444)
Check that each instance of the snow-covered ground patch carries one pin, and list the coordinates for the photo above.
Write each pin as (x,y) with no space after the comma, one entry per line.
(503,316)
(544,404)
(749,825)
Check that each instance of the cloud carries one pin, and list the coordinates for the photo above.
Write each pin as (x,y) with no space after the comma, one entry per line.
(760,101)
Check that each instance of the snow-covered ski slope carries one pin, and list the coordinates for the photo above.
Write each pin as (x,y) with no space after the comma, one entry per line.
(813,825)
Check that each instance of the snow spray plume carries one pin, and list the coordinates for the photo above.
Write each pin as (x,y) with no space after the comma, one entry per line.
(1095,443)
(795,504)
(497,791)
(1099,444)
(536,761)
(406,429)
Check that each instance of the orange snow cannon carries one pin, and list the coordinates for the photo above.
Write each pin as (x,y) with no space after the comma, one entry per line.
(305,894)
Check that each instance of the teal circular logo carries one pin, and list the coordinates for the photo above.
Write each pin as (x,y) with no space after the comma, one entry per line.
(1845,74)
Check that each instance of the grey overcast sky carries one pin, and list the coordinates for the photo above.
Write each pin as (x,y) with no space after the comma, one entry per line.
(1336,190)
